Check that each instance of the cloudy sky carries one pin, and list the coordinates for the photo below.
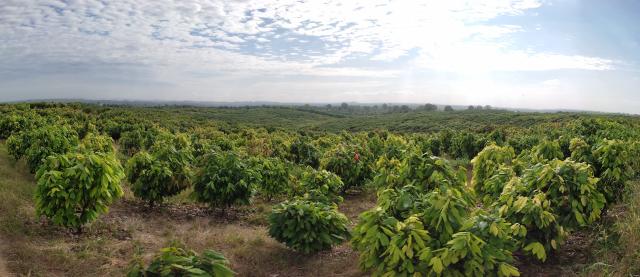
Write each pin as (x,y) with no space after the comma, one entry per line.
(516,53)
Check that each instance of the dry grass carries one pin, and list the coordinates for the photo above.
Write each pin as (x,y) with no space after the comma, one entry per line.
(618,239)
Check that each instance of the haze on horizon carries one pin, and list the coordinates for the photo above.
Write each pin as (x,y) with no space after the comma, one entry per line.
(537,54)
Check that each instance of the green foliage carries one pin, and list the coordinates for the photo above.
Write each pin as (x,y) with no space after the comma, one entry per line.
(410,234)
(395,147)
(164,172)
(465,145)
(13,123)
(274,176)
(572,190)
(175,261)
(321,185)
(487,164)
(521,142)
(17,145)
(74,188)
(546,151)
(580,151)
(140,138)
(303,152)
(37,144)
(428,172)
(613,166)
(348,164)
(387,173)
(132,141)
(549,200)
(97,143)
(224,179)
(535,223)
(308,226)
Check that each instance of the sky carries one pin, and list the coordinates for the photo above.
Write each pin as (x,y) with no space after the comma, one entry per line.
(565,54)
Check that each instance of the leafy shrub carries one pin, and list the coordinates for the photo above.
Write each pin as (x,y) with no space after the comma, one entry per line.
(175,261)
(428,172)
(224,180)
(465,145)
(349,164)
(303,152)
(274,176)
(535,224)
(17,145)
(580,151)
(97,143)
(307,226)
(395,147)
(163,173)
(486,164)
(321,185)
(546,151)
(387,173)
(37,144)
(13,123)
(522,142)
(431,234)
(613,167)
(141,138)
(572,190)
(74,188)
(132,141)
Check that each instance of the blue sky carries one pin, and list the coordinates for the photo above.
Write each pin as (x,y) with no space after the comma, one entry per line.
(511,53)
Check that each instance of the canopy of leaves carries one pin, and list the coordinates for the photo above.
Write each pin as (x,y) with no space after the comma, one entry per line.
(410,234)
(164,172)
(308,226)
(348,163)
(37,144)
(613,164)
(303,152)
(74,188)
(274,176)
(546,151)
(485,165)
(321,185)
(224,179)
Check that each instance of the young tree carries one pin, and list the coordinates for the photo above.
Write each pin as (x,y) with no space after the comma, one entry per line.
(308,226)
(321,185)
(74,188)
(223,180)
(163,172)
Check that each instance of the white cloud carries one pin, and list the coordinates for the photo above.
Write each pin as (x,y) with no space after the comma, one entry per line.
(150,32)
(180,41)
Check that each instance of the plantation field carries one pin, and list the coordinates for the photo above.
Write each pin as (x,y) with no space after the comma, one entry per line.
(88,190)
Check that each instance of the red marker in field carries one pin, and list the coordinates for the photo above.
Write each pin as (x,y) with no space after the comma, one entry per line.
(356,156)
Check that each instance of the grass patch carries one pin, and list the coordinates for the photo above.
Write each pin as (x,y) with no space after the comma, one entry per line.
(617,250)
